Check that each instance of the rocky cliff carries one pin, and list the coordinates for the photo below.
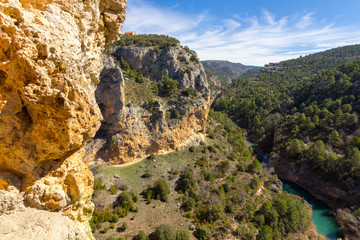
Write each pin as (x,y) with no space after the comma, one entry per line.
(139,118)
(51,57)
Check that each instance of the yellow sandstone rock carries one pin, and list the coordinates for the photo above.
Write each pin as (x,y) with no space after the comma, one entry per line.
(50,61)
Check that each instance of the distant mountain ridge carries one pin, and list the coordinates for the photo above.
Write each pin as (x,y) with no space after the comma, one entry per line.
(227,69)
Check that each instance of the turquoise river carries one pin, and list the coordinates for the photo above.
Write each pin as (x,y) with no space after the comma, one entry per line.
(324,222)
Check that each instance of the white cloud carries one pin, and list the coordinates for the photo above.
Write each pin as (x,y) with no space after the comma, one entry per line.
(145,18)
(269,17)
(254,40)
(305,21)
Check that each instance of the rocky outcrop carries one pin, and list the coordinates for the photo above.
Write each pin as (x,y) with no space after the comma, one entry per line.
(51,57)
(177,62)
(132,130)
(350,224)
(18,222)
(305,177)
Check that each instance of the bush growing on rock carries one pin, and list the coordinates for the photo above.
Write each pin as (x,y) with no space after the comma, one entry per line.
(169,85)
(175,114)
(255,166)
(189,92)
(148,40)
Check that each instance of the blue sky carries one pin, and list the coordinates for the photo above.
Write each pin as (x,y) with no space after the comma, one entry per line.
(252,32)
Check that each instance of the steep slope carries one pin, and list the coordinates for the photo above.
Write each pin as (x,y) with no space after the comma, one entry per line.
(305,112)
(50,55)
(167,101)
(325,126)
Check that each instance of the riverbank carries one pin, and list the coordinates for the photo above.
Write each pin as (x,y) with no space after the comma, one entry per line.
(325,223)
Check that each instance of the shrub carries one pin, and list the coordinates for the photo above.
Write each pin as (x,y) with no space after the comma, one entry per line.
(255,166)
(135,197)
(203,233)
(211,213)
(98,185)
(189,92)
(224,166)
(146,175)
(192,149)
(169,85)
(164,232)
(106,229)
(175,114)
(139,78)
(115,218)
(148,194)
(189,204)
(140,236)
(161,189)
(182,235)
(265,233)
(124,226)
(124,64)
(157,50)
(123,188)
(186,181)
(125,200)
(255,183)
(156,89)
(193,58)
(113,190)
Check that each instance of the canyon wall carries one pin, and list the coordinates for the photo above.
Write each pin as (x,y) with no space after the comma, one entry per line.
(51,58)
(132,129)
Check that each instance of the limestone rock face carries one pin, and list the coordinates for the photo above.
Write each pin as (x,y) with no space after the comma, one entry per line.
(31,223)
(176,62)
(50,61)
(131,131)
(306,178)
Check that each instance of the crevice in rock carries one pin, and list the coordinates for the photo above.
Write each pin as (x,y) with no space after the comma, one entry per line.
(3,77)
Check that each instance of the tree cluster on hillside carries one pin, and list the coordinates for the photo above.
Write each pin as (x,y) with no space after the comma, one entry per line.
(315,111)
(219,189)
(148,40)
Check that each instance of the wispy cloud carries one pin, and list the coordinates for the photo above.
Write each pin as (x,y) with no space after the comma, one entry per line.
(305,21)
(252,40)
(146,18)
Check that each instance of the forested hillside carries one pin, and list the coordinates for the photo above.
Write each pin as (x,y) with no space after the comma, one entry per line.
(305,110)
(259,99)
(226,69)
(323,128)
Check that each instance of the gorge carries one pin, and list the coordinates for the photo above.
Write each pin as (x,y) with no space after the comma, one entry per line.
(139,111)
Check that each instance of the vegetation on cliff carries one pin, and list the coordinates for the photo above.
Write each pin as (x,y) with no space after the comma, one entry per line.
(153,100)
(148,40)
